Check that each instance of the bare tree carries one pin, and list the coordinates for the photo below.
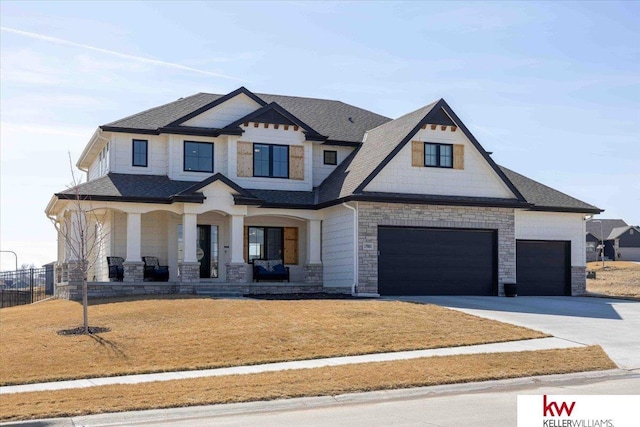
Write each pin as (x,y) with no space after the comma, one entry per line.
(82,237)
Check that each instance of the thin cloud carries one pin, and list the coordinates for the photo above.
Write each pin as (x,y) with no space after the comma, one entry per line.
(114,53)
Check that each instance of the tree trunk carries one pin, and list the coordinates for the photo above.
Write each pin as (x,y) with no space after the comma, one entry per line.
(85,305)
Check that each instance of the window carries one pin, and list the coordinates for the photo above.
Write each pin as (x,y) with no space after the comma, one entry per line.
(198,156)
(103,162)
(266,243)
(271,160)
(438,155)
(140,152)
(591,246)
(330,157)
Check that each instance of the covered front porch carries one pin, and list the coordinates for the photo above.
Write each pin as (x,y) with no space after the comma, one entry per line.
(207,247)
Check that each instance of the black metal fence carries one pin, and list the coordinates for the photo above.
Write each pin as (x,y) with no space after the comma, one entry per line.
(25,286)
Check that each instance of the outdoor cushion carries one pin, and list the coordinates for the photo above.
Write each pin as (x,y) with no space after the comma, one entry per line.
(262,270)
(279,268)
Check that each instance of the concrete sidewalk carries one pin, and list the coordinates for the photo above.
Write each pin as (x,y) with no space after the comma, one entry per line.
(511,346)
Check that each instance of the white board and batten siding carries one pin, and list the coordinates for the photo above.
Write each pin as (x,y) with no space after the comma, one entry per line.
(262,135)
(122,154)
(532,225)
(476,178)
(337,247)
(228,112)
(322,171)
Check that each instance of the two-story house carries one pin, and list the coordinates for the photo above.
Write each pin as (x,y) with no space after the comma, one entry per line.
(351,201)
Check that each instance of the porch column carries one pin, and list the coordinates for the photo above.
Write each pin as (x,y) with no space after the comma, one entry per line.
(237,270)
(133,265)
(313,267)
(190,237)
(313,242)
(237,235)
(189,268)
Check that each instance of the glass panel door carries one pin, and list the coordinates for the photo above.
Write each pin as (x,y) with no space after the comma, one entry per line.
(214,251)
(203,251)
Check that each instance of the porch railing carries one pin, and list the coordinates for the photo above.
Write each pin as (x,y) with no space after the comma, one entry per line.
(25,286)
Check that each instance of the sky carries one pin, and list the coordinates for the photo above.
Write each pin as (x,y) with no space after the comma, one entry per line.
(551,88)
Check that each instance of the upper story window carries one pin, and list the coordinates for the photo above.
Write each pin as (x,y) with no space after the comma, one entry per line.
(139,152)
(330,157)
(198,156)
(271,160)
(438,155)
(104,159)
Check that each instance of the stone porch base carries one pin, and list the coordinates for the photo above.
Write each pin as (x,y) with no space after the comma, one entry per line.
(65,290)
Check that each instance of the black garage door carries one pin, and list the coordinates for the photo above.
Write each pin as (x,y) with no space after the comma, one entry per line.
(543,267)
(430,261)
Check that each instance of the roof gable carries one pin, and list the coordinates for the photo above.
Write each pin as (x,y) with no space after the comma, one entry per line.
(215,178)
(439,111)
(619,231)
(339,122)
(384,142)
(275,114)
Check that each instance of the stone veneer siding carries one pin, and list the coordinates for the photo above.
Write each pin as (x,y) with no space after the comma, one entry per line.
(133,271)
(238,273)
(189,272)
(578,280)
(313,274)
(371,215)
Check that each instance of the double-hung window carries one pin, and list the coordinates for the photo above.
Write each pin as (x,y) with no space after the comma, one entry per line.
(198,156)
(271,160)
(139,155)
(438,155)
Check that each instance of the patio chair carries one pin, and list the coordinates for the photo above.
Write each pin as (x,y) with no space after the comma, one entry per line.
(154,271)
(116,270)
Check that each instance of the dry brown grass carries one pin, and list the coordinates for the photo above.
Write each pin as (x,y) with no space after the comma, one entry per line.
(168,334)
(618,278)
(305,382)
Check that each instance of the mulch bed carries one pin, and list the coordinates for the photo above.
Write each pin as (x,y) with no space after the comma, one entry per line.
(80,330)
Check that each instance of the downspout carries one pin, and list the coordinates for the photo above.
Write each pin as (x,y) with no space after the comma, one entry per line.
(355,246)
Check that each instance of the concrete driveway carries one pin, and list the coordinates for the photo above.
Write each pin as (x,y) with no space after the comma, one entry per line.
(613,324)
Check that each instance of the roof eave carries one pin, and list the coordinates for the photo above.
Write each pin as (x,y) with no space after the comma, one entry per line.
(83,163)
(566,209)
(133,199)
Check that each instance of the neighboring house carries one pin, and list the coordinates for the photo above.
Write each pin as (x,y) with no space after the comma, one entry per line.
(619,239)
(351,201)
(626,242)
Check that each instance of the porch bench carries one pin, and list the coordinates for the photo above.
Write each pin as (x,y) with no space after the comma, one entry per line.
(270,270)
(116,269)
(153,271)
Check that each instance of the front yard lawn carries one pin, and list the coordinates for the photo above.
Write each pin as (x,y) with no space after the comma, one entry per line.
(177,333)
(304,382)
(617,279)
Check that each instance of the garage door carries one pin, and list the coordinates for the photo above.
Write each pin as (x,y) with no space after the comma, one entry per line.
(543,267)
(436,261)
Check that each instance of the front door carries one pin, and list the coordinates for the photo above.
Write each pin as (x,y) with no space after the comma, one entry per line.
(207,251)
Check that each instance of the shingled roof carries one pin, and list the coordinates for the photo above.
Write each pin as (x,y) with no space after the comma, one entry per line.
(378,138)
(546,198)
(126,187)
(334,119)
(594,227)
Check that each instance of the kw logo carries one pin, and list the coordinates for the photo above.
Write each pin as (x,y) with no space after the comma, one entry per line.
(548,408)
